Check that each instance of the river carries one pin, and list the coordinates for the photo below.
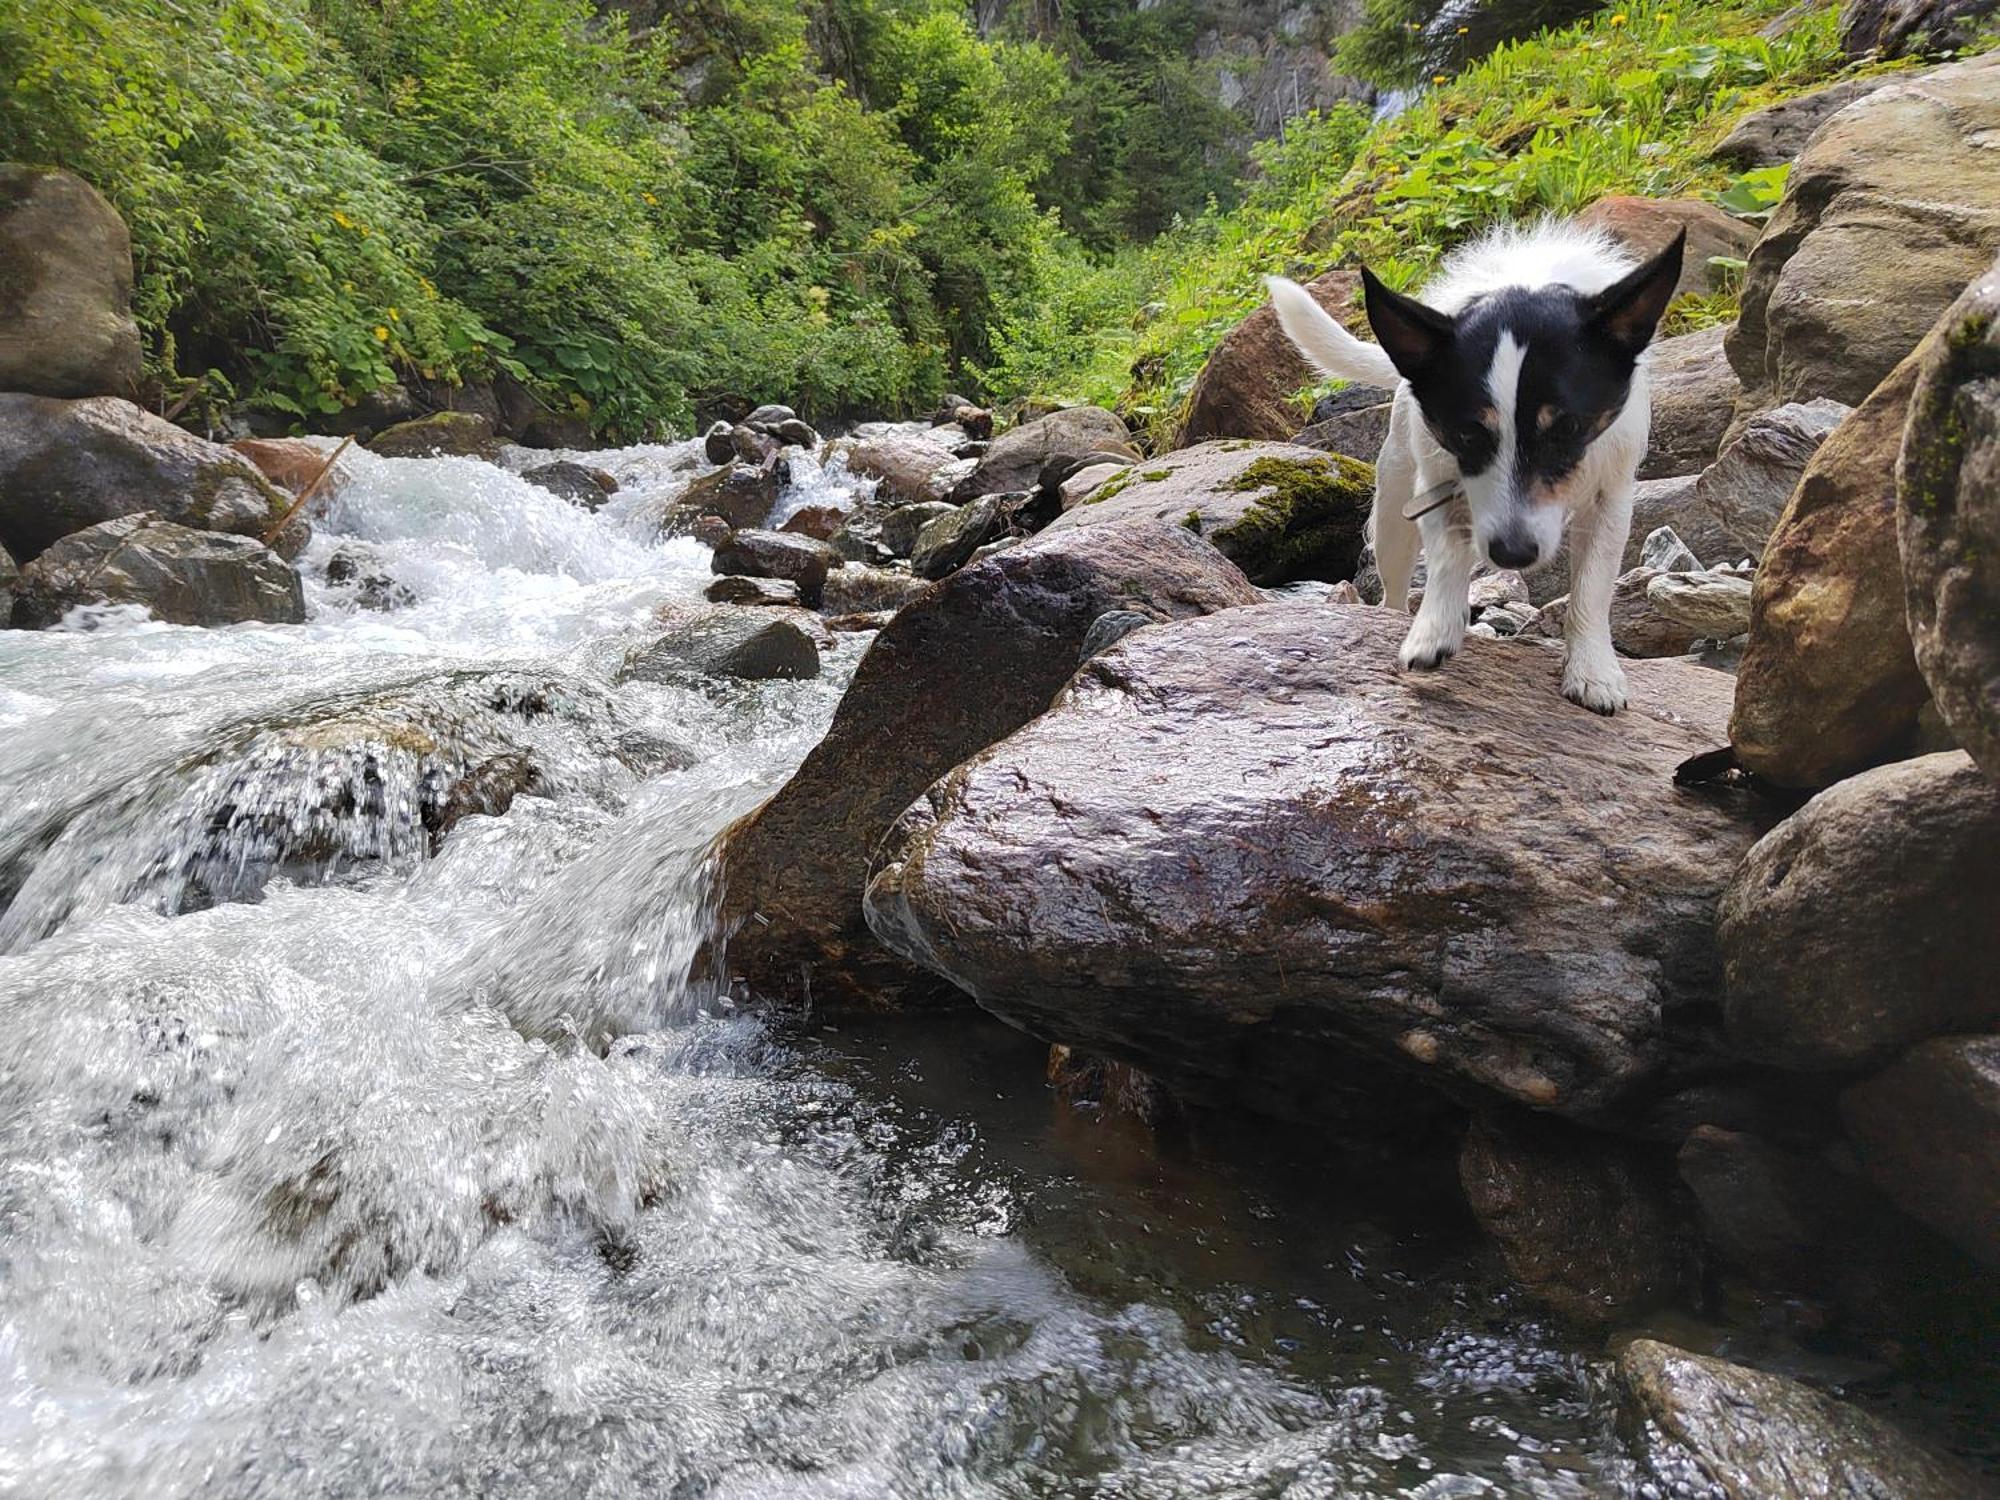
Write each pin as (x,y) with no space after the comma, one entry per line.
(344,1154)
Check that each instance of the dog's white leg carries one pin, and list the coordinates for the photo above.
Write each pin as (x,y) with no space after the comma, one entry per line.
(1449,557)
(1396,538)
(1591,674)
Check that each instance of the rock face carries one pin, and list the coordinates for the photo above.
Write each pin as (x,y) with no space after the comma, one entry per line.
(1694,394)
(1587,1224)
(1899,28)
(1869,919)
(1246,388)
(449,434)
(968,661)
(1278,512)
(1887,215)
(1766,1437)
(181,575)
(1751,481)
(755,644)
(1016,458)
(1645,225)
(1245,853)
(1948,520)
(1828,684)
(777,554)
(1777,133)
(65,465)
(66,324)
(1929,1133)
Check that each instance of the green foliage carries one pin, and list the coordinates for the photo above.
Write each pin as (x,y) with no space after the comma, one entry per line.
(1756,193)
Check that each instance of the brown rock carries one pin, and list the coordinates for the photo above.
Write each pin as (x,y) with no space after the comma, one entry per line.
(66,324)
(1017,457)
(964,663)
(291,463)
(775,554)
(1246,388)
(442,434)
(816,521)
(912,465)
(1646,225)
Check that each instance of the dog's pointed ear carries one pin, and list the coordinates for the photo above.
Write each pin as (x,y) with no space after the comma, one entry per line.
(1628,311)
(1411,334)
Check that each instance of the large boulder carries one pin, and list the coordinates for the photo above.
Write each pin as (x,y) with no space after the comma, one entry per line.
(1777,133)
(1948,520)
(1828,684)
(65,465)
(1016,458)
(912,465)
(751,553)
(1761,1436)
(180,575)
(964,663)
(1246,388)
(1279,512)
(1645,226)
(1246,854)
(66,324)
(1869,919)
(1751,481)
(741,494)
(1888,213)
(442,434)
(1911,28)
(1928,1129)
(1694,395)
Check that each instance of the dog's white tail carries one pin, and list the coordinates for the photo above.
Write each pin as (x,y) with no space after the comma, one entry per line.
(1323,341)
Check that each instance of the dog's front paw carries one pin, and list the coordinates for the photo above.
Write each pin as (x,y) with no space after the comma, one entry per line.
(1597,683)
(1429,646)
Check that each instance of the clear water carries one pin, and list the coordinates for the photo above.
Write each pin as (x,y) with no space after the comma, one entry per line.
(344,1154)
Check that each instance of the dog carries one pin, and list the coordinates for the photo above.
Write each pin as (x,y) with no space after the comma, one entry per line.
(1521,407)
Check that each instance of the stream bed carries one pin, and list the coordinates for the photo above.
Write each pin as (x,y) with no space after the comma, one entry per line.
(361,1137)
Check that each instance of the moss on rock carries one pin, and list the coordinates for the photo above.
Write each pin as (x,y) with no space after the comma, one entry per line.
(1307,518)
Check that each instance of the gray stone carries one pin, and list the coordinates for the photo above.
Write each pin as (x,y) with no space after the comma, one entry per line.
(1358,433)
(947,542)
(1911,28)
(448,434)
(66,325)
(1016,458)
(1078,487)
(1751,481)
(858,589)
(737,588)
(180,575)
(777,554)
(573,482)
(901,527)
(755,644)
(1664,552)
(1777,133)
(912,464)
(1694,396)
(1714,605)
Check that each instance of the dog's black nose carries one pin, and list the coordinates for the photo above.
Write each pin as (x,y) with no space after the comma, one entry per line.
(1514,552)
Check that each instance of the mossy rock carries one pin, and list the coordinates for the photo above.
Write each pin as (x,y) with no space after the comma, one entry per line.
(447,434)
(1278,511)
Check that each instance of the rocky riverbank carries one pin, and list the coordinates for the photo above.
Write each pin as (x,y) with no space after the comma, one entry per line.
(1703,996)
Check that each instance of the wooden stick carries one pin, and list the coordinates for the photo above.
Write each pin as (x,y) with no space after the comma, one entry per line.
(308,492)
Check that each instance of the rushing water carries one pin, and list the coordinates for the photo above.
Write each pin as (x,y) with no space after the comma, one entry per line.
(354,1145)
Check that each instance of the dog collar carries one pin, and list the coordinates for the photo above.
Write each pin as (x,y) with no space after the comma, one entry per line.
(1438,495)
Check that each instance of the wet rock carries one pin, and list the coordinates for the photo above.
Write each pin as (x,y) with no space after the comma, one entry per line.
(716,444)
(291,463)
(819,522)
(1664,552)
(964,663)
(1714,606)
(180,575)
(774,554)
(1828,684)
(853,624)
(1694,396)
(1588,1225)
(9,575)
(1015,460)
(1887,214)
(739,493)
(1751,481)
(752,445)
(1948,520)
(711,531)
(1644,226)
(860,589)
(1108,629)
(738,589)
(449,434)
(1911,28)
(359,571)
(1928,1129)
(1358,433)
(577,483)
(1869,919)
(1278,512)
(1777,133)
(795,433)
(1247,387)
(912,466)
(1432,876)
(1079,485)
(901,527)
(757,645)
(770,415)
(1766,1437)
(947,542)
(66,465)
(66,325)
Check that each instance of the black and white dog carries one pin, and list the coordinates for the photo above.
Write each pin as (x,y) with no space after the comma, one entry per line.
(1521,406)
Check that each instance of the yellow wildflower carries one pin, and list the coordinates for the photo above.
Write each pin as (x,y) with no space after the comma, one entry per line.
(655,202)
(381,334)
(1619,19)
(394,316)
(1440,78)
(342,220)
(1465,31)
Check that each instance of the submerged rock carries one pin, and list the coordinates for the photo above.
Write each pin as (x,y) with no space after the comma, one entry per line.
(1766,1437)
(967,661)
(178,574)
(755,644)
(1248,855)
(1869,919)
(1948,520)
(1279,512)
(65,465)
(66,326)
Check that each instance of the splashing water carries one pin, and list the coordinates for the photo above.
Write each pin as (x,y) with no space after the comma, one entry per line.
(363,1130)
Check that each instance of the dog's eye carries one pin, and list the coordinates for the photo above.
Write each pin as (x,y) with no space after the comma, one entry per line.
(1563,427)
